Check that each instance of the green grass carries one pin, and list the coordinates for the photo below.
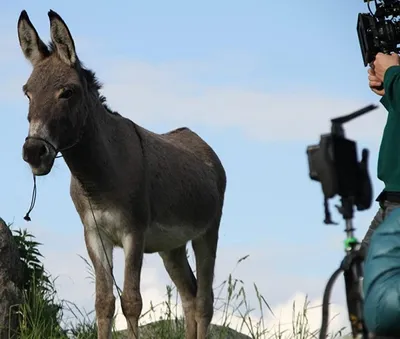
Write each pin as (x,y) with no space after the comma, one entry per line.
(43,315)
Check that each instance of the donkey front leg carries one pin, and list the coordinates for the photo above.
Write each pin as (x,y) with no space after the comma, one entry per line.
(131,299)
(100,251)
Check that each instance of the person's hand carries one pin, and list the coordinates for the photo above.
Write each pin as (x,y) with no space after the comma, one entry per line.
(382,62)
(375,83)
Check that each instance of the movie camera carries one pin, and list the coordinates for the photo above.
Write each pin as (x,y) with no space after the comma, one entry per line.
(379,31)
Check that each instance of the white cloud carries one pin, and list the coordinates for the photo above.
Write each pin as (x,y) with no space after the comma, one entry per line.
(156,94)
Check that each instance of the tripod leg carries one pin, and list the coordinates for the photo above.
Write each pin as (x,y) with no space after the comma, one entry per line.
(355,305)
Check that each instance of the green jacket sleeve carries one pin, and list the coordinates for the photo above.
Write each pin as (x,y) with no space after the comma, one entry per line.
(391,83)
(384,101)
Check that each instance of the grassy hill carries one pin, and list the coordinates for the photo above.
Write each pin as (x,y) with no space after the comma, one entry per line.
(169,329)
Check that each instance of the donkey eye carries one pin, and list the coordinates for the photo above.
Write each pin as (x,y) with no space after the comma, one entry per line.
(27,95)
(66,94)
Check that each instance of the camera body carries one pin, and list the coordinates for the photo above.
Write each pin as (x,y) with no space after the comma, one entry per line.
(334,163)
(379,31)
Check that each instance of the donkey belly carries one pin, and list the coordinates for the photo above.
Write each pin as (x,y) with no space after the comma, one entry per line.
(160,237)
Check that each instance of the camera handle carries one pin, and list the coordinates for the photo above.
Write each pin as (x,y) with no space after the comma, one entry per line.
(352,268)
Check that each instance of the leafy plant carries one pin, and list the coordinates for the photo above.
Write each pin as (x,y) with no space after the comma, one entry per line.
(40,312)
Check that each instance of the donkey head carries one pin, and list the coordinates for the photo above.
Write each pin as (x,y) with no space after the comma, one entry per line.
(57,93)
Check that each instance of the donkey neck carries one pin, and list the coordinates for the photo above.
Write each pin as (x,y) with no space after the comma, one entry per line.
(90,160)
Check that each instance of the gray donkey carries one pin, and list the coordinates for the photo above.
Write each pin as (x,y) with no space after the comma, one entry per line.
(132,188)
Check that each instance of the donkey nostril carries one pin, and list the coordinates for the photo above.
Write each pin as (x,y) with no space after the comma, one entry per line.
(42,151)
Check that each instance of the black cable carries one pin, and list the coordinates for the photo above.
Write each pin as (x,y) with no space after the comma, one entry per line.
(325,303)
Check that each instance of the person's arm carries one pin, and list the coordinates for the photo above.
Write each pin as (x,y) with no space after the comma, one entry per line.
(391,83)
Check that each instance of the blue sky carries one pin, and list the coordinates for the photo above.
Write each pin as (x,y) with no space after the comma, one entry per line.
(258,80)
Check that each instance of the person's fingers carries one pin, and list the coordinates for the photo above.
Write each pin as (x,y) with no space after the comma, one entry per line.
(373,78)
(371,71)
(375,83)
(394,55)
(372,65)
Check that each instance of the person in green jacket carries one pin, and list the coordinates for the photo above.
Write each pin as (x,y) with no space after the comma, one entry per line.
(381,283)
(385,70)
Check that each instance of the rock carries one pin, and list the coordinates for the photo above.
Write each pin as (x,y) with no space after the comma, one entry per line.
(10,282)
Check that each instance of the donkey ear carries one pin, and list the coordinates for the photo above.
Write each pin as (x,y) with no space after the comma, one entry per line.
(62,39)
(32,46)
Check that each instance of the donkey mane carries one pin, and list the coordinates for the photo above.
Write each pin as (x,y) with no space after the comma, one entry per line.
(94,85)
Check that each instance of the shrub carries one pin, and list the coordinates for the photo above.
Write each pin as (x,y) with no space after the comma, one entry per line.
(40,312)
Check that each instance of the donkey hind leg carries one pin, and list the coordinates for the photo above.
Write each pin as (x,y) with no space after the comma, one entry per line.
(102,260)
(178,268)
(205,250)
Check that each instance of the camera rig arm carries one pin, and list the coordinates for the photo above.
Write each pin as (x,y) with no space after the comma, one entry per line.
(337,123)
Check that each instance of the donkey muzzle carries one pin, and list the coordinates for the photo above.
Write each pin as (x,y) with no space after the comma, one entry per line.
(38,155)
